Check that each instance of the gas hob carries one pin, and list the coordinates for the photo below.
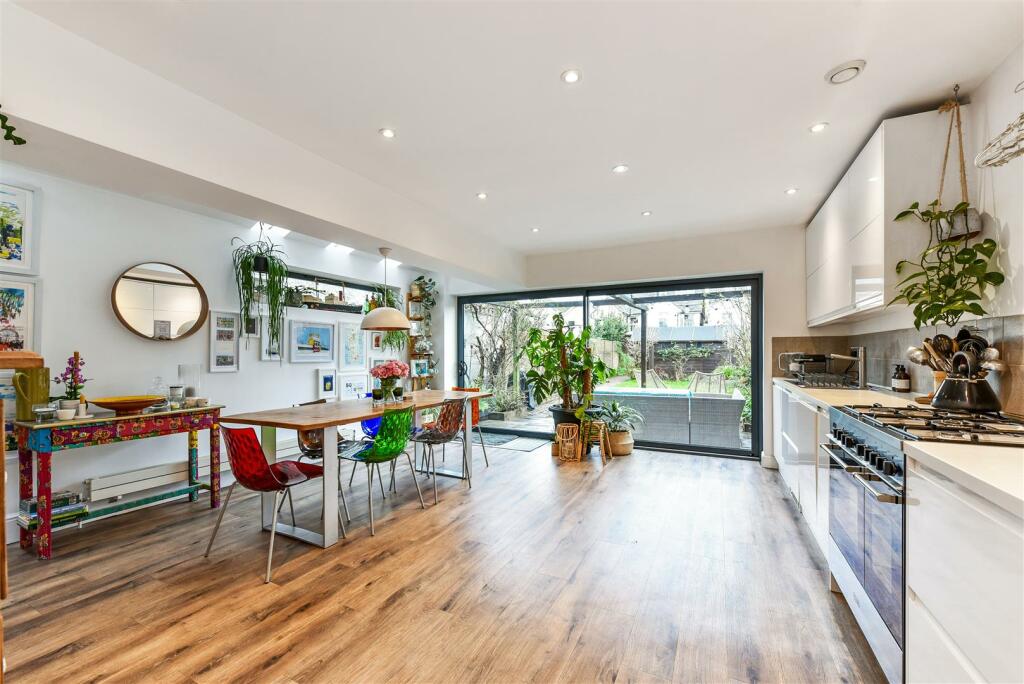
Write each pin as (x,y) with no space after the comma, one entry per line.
(940,425)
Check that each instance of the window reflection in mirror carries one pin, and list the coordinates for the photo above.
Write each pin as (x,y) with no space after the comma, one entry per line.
(159,301)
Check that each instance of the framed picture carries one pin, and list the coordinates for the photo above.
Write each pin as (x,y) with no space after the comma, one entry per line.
(353,346)
(10,398)
(18,234)
(268,351)
(225,332)
(311,342)
(415,312)
(251,326)
(353,386)
(326,383)
(18,313)
(416,328)
(161,330)
(419,368)
(376,342)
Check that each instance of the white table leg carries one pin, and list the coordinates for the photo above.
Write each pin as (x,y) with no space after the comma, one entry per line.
(330,483)
(268,440)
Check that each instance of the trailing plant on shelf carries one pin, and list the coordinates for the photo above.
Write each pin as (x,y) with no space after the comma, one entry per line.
(951,275)
(260,272)
(562,364)
(8,130)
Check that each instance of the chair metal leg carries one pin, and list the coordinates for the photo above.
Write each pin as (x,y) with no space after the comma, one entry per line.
(414,480)
(380,481)
(344,504)
(273,532)
(393,487)
(291,505)
(433,467)
(341,524)
(369,494)
(352,476)
(220,517)
(483,445)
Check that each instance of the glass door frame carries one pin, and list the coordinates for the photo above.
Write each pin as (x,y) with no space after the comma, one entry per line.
(753,280)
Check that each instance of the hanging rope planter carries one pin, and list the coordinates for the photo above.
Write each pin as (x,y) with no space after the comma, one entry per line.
(1007,145)
(966,224)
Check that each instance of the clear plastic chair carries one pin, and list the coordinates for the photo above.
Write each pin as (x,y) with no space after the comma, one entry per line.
(445,429)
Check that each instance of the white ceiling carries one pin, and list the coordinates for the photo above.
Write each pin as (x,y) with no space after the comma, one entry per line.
(708,103)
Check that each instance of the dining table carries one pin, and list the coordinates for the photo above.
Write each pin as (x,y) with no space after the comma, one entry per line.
(328,417)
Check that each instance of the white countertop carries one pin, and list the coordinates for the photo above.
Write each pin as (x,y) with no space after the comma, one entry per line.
(994,473)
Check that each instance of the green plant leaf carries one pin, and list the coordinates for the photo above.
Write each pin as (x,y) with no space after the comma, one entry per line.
(965,256)
(994,278)
(987,247)
(904,214)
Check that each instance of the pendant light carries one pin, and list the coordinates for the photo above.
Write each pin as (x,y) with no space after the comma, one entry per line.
(385,318)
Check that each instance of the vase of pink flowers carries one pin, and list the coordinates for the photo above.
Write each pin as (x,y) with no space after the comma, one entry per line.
(389,373)
(73,382)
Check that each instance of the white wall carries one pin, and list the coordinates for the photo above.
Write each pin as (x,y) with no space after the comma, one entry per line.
(778,254)
(88,237)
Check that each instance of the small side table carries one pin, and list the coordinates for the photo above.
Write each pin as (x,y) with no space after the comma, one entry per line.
(42,439)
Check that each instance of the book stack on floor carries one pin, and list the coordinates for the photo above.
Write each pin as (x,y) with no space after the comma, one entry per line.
(67,507)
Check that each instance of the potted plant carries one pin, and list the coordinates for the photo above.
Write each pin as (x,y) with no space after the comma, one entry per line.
(950,276)
(620,420)
(73,382)
(260,273)
(563,366)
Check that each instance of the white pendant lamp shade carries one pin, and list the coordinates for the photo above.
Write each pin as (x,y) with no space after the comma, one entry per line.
(385,318)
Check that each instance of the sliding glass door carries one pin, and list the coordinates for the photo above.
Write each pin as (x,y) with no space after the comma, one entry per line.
(685,354)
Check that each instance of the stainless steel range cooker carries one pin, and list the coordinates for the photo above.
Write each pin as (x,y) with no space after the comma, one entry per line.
(866,506)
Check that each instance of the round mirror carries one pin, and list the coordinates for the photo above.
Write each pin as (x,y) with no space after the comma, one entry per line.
(159,301)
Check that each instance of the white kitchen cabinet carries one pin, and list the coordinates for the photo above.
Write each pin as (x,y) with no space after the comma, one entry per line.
(800,427)
(784,455)
(964,582)
(853,243)
(823,466)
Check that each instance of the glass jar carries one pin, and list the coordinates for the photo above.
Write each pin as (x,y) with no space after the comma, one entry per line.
(188,376)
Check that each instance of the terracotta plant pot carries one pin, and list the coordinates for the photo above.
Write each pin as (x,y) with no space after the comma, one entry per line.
(622,443)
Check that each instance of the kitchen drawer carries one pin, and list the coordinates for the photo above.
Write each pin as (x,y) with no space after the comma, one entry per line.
(965,563)
(932,658)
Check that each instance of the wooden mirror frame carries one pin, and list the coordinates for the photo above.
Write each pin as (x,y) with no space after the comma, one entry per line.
(204,303)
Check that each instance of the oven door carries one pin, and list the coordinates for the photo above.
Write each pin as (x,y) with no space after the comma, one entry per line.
(846,509)
(883,550)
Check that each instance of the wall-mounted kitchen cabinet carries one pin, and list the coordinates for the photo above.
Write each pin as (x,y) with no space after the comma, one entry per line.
(853,244)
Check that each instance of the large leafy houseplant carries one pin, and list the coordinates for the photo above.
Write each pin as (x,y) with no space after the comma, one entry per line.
(260,272)
(562,364)
(950,276)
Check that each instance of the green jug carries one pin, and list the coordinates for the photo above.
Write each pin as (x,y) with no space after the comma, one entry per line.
(32,385)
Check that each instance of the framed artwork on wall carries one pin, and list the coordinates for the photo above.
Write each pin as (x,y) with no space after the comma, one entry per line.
(18,232)
(326,383)
(9,396)
(419,368)
(353,346)
(311,342)
(353,386)
(269,351)
(251,327)
(225,332)
(19,298)
(376,342)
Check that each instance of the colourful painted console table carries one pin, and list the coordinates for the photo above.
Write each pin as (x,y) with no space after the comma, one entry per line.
(42,439)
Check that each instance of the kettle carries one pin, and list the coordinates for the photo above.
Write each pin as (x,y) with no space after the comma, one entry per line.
(963,390)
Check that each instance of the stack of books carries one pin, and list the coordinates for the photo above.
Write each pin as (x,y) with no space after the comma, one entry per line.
(67,507)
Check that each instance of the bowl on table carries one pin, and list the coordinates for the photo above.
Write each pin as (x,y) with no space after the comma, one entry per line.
(66,414)
(129,405)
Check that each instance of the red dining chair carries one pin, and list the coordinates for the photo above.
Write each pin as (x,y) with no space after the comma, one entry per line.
(250,467)
(476,419)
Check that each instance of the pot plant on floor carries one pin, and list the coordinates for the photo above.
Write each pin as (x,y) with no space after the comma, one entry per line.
(564,366)
(621,420)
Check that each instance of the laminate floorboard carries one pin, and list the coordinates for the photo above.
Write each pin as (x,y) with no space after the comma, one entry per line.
(655,568)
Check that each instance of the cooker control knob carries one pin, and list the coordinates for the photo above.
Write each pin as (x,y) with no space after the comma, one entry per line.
(889,468)
(863,450)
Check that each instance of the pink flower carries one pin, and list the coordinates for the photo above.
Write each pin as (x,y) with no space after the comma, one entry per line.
(390,369)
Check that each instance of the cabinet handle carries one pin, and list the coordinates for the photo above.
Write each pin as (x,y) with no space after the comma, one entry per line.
(882,497)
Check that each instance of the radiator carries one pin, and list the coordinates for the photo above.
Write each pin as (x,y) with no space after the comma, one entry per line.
(134,481)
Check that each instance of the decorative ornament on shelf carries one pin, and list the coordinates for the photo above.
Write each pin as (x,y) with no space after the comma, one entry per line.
(261,274)
(950,276)
(384,316)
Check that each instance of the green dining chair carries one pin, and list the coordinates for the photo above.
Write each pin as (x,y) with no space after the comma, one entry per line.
(391,441)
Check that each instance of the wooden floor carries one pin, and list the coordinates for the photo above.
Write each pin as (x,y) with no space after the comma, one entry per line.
(659,567)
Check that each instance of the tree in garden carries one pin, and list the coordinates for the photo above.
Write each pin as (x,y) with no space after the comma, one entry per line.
(501,331)
(680,355)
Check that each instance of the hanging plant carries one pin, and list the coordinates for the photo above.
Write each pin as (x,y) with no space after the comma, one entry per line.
(9,131)
(393,339)
(260,272)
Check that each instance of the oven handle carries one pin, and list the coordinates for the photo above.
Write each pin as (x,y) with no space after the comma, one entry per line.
(865,480)
(837,462)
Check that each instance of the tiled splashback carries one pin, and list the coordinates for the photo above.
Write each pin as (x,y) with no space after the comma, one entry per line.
(886,349)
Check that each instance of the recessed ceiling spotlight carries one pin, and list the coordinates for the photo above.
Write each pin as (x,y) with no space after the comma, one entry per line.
(481,195)
(572,76)
(845,72)
(873,179)
(620,168)
(818,127)
(645,213)
(341,249)
(388,133)
(535,230)
(791,191)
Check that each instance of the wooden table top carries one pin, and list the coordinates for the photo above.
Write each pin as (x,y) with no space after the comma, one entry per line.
(319,416)
(103,416)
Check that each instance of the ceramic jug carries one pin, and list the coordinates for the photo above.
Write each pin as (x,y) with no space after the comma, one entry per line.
(32,385)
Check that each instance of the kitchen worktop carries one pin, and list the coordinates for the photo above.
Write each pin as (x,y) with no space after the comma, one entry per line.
(824,396)
(993,473)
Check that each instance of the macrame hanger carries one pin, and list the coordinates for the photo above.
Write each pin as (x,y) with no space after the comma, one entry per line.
(953,107)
